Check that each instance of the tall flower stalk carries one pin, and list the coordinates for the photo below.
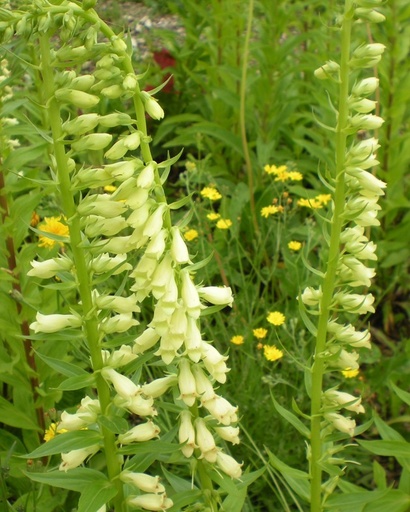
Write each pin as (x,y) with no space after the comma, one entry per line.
(355,195)
(107,233)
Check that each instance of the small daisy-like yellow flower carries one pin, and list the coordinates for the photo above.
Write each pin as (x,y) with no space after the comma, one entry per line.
(323,198)
(295,176)
(350,374)
(276,318)
(272,169)
(310,203)
(211,193)
(224,224)
(191,234)
(110,189)
(51,432)
(54,226)
(237,340)
(294,246)
(282,176)
(260,333)
(269,210)
(272,353)
(213,216)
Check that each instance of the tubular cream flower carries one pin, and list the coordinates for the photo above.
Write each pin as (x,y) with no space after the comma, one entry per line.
(146,483)
(355,303)
(214,362)
(221,410)
(276,318)
(179,250)
(230,434)
(228,465)
(186,383)
(74,458)
(159,386)
(205,441)
(186,434)
(54,323)
(345,425)
(140,433)
(345,400)
(118,323)
(152,107)
(53,226)
(272,353)
(154,502)
(218,295)
(49,268)
(122,384)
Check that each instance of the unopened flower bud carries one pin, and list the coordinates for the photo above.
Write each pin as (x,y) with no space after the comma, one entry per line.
(160,386)
(118,323)
(369,15)
(119,45)
(365,87)
(362,105)
(179,249)
(146,176)
(112,92)
(152,106)
(79,99)
(230,434)
(311,296)
(355,303)
(154,502)
(110,264)
(122,384)
(116,151)
(118,304)
(345,400)
(115,119)
(186,383)
(328,70)
(81,124)
(366,121)
(92,142)
(130,82)
(205,441)
(145,341)
(83,82)
(71,53)
(140,433)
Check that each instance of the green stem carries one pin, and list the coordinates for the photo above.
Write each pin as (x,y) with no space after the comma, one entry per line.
(91,331)
(328,285)
(242,119)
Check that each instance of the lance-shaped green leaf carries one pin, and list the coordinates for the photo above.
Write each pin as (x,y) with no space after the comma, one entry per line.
(67,369)
(95,495)
(66,442)
(297,480)
(74,480)
(77,382)
(292,419)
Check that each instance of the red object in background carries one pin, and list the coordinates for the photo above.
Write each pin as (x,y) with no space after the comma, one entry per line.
(164,60)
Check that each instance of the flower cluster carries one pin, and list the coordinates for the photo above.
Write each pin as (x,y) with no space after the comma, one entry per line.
(106,227)
(362,192)
(282,173)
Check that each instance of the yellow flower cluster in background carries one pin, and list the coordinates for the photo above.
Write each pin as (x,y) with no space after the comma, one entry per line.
(272,353)
(213,216)
(270,210)
(294,245)
(238,340)
(224,224)
(54,226)
(191,234)
(315,203)
(260,333)
(211,193)
(281,173)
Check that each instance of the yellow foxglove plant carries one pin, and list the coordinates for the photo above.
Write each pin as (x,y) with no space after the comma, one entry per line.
(342,292)
(126,233)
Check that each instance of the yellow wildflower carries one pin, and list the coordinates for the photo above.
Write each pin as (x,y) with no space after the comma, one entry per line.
(269,210)
(211,193)
(272,353)
(224,224)
(310,203)
(213,216)
(323,198)
(276,318)
(237,340)
(294,246)
(272,169)
(295,176)
(110,188)
(260,333)
(191,234)
(54,226)
(349,373)
(282,176)
(52,431)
